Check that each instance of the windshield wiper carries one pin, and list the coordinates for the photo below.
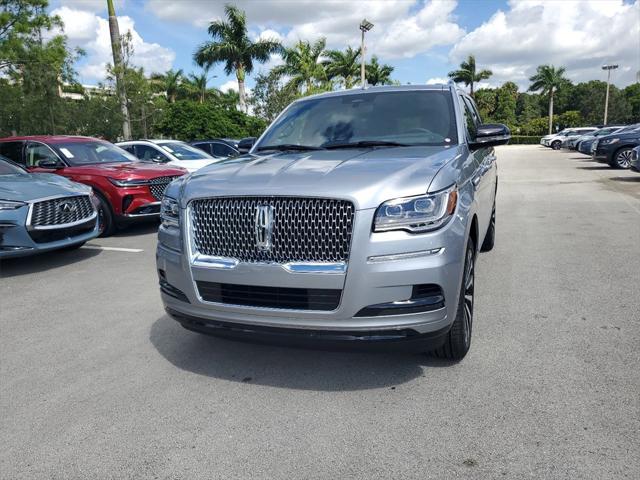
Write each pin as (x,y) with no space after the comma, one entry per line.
(365,144)
(288,146)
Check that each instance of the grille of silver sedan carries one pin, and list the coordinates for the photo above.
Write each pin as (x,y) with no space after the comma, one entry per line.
(301,229)
(62,211)
(159,184)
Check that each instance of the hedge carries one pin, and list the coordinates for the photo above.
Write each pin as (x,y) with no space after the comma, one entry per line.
(524,140)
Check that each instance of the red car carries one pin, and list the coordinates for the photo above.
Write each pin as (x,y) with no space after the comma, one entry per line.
(128,189)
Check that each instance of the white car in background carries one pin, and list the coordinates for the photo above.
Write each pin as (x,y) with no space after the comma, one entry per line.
(555,140)
(169,152)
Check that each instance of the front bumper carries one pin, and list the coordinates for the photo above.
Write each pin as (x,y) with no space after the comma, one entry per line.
(366,282)
(15,240)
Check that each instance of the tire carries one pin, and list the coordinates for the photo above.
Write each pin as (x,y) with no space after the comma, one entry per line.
(458,340)
(106,220)
(556,145)
(490,237)
(622,158)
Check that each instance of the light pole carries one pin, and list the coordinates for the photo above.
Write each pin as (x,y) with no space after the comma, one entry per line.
(608,68)
(365,26)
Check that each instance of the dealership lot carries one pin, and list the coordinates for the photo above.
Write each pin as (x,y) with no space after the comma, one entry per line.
(97,382)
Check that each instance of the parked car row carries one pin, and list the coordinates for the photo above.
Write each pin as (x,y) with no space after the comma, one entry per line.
(613,145)
(60,191)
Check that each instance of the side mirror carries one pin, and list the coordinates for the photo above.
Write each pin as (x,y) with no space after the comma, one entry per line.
(50,164)
(245,144)
(490,135)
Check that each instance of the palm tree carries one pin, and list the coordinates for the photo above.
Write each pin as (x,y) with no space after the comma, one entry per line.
(198,85)
(468,74)
(343,65)
(378,74)
(169,82)
(548,79)
(232,46)
(303,66)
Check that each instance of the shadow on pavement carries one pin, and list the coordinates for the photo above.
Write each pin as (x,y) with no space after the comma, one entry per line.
(284,367)
(635,179)
(596,167)
(142,228)
(13,267)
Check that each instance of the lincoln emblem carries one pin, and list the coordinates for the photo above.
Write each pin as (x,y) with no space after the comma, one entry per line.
(264,227)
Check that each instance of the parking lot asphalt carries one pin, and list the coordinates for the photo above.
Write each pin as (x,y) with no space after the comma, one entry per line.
(97,382)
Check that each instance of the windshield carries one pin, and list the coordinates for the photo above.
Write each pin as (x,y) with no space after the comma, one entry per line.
(182,151)
(92,152)
(9,168)
(406,118)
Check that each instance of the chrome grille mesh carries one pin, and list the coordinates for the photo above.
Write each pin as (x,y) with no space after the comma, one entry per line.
(304,229)
(61,211)
(159,184)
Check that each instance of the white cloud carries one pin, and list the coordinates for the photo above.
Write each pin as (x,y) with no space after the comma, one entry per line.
(580,36)
(403,28)
(437,80)
(89,31)
(229,85)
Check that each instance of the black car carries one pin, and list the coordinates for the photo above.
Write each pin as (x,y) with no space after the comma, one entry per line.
(615,149)
(218,147)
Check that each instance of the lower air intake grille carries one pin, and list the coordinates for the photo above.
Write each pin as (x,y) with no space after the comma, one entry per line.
(270,297)
(159,184)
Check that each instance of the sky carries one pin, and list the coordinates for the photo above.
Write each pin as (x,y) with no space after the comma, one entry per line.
(422,39)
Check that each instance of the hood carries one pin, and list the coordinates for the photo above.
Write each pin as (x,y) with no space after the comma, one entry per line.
(130,170)
(367,177)
(194,165)
(33,186)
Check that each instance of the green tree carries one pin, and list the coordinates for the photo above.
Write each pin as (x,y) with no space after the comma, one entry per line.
(632,97)
(377,74)
(527,108)
(547,80)
(302,65)
(271,96)
(485,99)
(506,101)
(169,83)
(468,73)
(343,65)
(232,46)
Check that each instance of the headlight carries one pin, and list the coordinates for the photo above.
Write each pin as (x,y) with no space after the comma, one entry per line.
(169,212)
(129,183)
(417,214)
(609,141)
(10,204)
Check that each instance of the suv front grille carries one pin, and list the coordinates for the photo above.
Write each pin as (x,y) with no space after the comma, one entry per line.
(159,184)
(61,211)
(304,229)
(270,297)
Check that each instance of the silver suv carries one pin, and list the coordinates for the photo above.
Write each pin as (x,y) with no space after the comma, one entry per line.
(355,218)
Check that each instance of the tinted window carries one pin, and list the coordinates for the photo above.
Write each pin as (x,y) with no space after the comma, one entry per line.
(222,150)
(470,121)
(182,151)
(92,152)
(421,117)
(38,152)
(150,154)
(205,147)
(12,150)
(7,168)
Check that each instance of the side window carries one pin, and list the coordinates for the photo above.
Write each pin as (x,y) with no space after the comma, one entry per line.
(13,151)
(129,148)
(222,150)
(474,110)
(205,147)
(150,154)
(37,152)
(469,119)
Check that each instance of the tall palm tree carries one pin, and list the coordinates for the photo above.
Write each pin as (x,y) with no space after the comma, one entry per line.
(232,46)
(169,82)
(547,80)
(378,74)
(343,65)
(468,73)
(118,66)
(303,66)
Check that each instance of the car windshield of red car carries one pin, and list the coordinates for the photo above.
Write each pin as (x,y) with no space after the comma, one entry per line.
(92,153)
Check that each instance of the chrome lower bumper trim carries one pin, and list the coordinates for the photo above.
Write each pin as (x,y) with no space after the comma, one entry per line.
(404,256)
(227,263)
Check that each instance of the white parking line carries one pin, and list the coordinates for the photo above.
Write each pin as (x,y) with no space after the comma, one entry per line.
(113,249)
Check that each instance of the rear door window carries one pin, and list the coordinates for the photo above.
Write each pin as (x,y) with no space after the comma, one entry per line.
(222,150)
(13,151)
